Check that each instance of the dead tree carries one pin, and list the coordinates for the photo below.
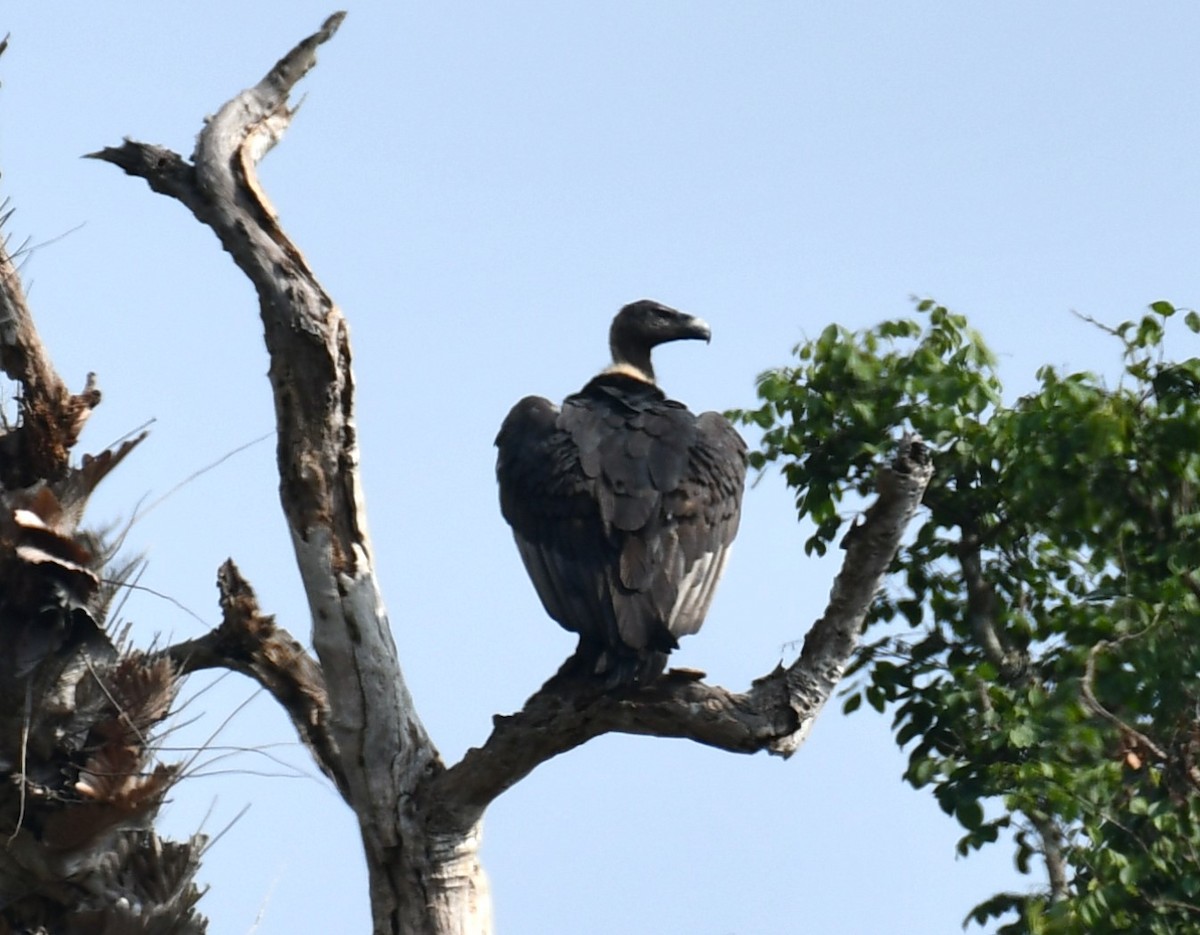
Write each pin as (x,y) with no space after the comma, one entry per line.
(419,817)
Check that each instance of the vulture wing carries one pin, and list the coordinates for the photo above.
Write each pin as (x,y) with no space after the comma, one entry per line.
(551,508)
(623,505)
(703,512)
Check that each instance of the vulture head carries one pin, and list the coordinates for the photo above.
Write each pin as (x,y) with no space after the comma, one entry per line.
(641,326)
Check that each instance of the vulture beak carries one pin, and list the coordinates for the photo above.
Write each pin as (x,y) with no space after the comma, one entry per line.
(698,328)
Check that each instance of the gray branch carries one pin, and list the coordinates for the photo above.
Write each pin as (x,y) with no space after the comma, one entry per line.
(774,715)
(382,746)
(420,820)
(249,642)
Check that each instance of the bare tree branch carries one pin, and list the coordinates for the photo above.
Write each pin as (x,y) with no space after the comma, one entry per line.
(247,641)
(383,747)
(420,822)
(775,715)
(870,549)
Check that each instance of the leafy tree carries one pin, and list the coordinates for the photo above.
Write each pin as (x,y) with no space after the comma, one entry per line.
(1038,646)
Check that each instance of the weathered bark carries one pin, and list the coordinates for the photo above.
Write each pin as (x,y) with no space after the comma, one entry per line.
(420,821)
(419,882)
(247,641)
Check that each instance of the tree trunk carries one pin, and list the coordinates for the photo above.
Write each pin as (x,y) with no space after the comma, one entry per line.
(420,820)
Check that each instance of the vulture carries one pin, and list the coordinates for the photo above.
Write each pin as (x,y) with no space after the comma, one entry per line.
(623,504)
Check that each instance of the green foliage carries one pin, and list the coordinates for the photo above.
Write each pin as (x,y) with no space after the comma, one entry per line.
(1040,656)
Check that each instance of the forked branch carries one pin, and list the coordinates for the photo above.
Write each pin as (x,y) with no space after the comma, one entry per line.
(317,440)
(419,819)
(376,746)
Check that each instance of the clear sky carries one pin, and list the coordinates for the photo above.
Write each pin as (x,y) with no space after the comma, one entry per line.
(481,186)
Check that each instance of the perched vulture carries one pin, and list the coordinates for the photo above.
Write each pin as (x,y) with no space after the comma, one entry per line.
(623,504)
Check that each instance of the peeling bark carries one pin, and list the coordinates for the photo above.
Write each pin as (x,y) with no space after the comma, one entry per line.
(383,748)
(420,821)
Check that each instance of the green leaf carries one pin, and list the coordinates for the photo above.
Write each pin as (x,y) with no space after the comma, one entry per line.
(876,698)
(1022,735)
(969,814)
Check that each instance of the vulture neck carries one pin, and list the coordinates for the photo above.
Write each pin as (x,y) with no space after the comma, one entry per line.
(633,360)
(629,370)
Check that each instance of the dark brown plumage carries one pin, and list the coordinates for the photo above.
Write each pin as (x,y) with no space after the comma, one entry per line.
(623,503)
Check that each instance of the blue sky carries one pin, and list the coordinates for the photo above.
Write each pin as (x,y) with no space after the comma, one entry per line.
(481,186)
